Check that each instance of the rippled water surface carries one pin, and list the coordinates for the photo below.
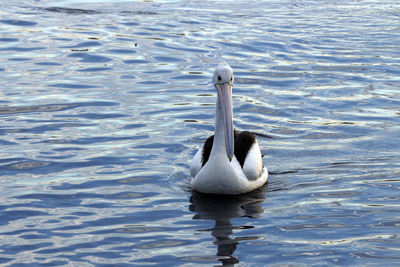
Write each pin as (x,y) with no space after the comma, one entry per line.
(103,104)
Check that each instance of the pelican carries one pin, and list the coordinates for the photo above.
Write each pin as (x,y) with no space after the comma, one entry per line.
(229,162)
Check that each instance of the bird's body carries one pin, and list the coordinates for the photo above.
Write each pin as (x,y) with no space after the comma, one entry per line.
(229,162)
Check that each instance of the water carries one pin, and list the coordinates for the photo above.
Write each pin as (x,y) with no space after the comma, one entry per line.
(103,104)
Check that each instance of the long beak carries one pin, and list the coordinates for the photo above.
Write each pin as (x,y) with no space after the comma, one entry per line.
(225,95)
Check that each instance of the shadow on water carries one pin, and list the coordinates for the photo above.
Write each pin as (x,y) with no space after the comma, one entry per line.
(222,209)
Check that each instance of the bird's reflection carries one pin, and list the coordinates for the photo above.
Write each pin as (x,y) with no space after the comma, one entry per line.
(221,209)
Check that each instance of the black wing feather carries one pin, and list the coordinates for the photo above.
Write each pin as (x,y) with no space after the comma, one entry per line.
(207,150)
(243,142)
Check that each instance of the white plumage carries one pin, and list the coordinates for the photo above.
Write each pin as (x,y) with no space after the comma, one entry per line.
(223,173)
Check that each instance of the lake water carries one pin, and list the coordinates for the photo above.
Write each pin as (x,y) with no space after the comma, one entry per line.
(104,103)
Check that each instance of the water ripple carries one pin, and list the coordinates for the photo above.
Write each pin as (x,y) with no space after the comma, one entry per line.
(103,104)
(21,23)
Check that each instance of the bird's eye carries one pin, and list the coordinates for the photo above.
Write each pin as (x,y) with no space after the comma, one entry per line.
(219,78)
(231,79)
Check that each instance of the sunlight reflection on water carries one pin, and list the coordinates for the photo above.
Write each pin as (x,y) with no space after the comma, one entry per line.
(103,104)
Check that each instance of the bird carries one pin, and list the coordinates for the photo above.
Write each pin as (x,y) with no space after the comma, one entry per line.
(229,162)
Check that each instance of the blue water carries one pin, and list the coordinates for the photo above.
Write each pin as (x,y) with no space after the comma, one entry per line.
(103,104)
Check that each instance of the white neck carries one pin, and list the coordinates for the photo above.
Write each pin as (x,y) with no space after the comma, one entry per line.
(219,136)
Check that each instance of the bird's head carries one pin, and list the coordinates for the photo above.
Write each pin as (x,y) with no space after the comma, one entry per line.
(223,82)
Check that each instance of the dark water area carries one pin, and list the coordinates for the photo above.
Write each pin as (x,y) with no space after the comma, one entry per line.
(104,103)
